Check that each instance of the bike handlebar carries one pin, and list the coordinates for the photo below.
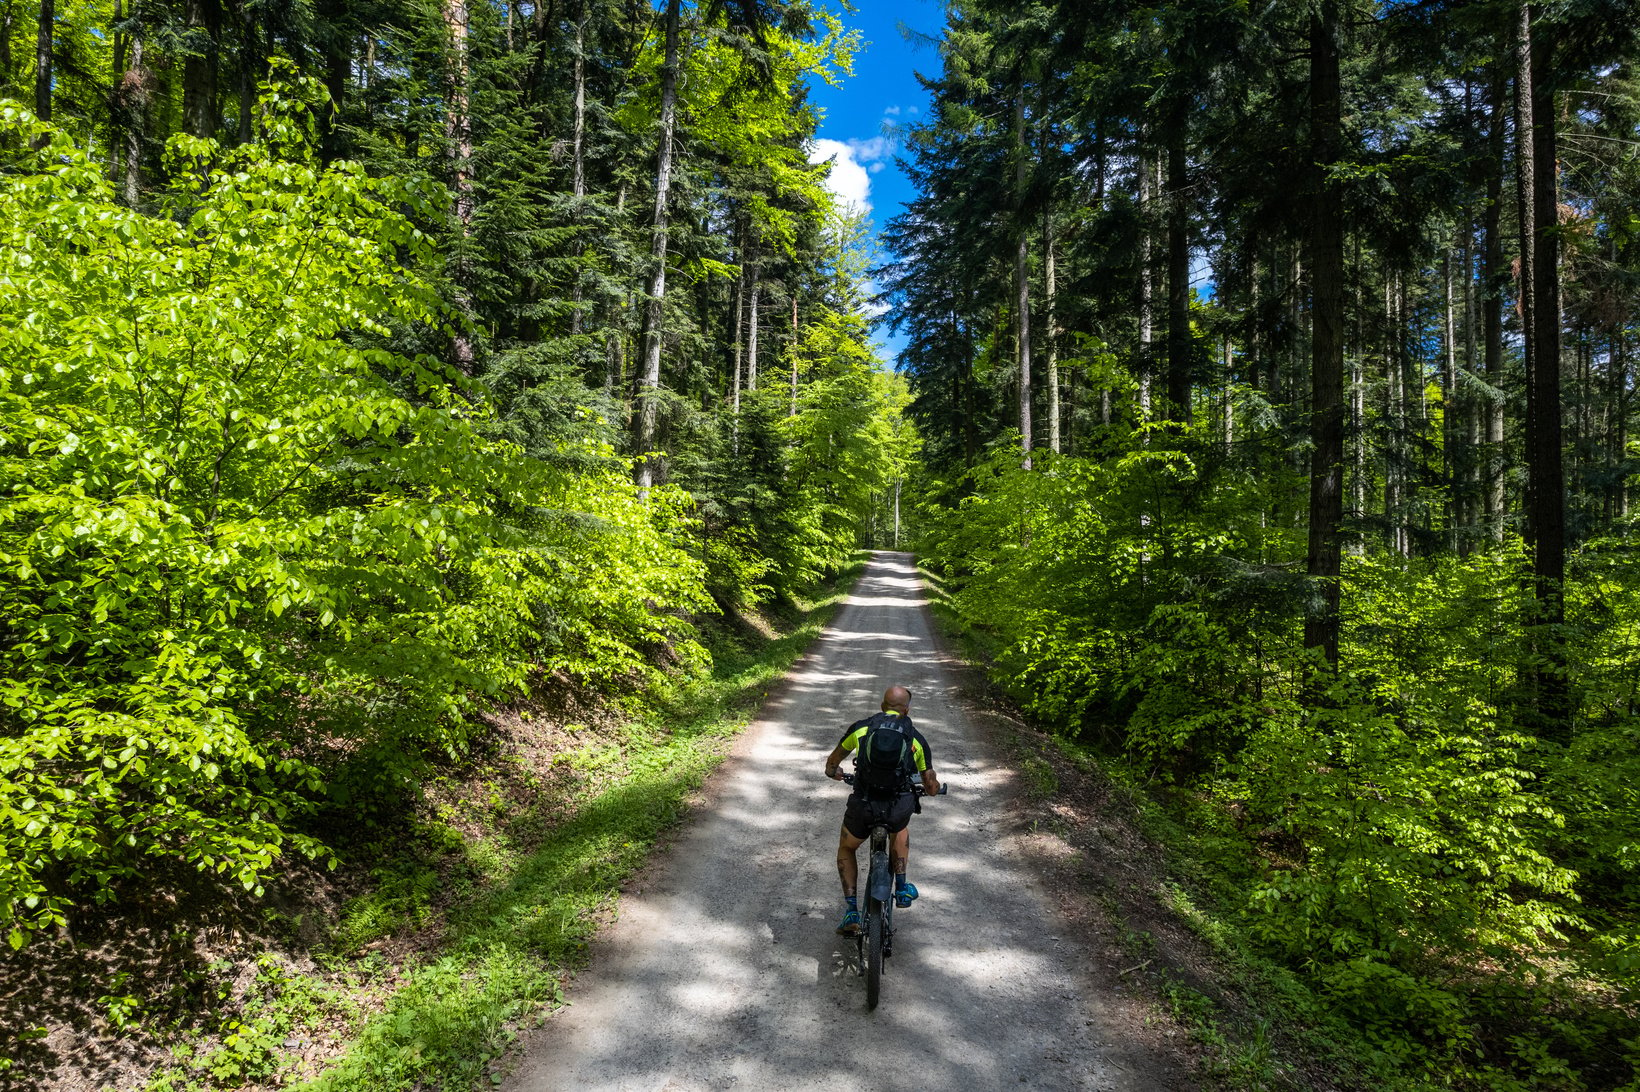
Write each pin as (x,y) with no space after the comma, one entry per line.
(916,790)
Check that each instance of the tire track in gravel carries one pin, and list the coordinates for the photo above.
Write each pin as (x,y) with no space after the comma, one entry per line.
(723,970)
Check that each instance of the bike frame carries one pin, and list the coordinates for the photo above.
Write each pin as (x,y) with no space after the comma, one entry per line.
(875,940)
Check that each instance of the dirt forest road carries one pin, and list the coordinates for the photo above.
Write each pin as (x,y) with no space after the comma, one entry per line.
(723,970)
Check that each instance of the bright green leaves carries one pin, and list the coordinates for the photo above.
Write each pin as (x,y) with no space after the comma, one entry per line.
(242,541)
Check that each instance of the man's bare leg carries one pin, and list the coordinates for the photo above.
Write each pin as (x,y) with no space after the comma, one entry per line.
(900,850)
(848,864)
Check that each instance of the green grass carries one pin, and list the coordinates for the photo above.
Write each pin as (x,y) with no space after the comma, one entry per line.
(532,888)
(507,945)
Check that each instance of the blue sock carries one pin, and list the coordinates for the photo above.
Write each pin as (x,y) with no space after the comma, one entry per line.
(853,901)
(899,880)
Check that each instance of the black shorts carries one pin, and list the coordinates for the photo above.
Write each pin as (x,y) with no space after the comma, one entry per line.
(862,814)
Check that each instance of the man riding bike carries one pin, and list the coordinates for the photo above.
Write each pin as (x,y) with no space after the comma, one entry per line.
(885,796)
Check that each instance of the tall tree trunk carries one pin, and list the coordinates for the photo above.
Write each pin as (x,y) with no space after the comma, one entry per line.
(794,356)
(44,31)
(199,69)
(1471,421)
(7,17)
(250,62)
(649,379)
(1051,336)
(1620,444)
(1546,515)
(116,129)
(338,62)
(1146,285)
(579,180)
(458,135)
(1358,420)
(1526,212)
(752,331)
(1326,260)
(1022,280)
(1394,415)
(740,308)
(458,122)
(1449,387)
(1495,276)
(133,112)
(1178,277)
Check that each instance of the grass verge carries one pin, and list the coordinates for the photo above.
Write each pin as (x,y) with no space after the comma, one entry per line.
(501,894)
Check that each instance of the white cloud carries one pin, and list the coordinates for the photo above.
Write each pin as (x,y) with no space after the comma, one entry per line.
(853,163)
(848,181)
(873,148)
(891,111)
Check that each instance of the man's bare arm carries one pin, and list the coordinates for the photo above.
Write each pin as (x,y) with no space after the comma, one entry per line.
(931,784)
(834,763)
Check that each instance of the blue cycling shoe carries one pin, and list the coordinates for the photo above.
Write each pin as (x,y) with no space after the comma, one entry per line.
(905,896)
(850,925)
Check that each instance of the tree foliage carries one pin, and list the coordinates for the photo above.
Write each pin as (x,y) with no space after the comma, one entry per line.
(314,380)
(1316,429)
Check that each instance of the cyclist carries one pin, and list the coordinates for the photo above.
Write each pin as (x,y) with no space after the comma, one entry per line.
(894,810)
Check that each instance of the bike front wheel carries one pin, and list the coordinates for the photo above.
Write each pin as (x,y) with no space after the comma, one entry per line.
(874,956)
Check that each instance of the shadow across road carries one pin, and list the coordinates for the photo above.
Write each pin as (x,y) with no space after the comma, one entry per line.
(725,970)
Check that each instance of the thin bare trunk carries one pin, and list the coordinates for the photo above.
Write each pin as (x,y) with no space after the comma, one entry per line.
(649,381)
(740,308)
(794,356)
(1022,282)
(45,28)
(1620,445)
(614,339)
(249,63)
(1540,252)
(1178,278)
(133,98)
(579,181)
(751,332)
(1494,274)
(199,70)
(6,20)
(1146,287)
(1326,259)
(1471,421)
(1449,388)
(1052,334)
(1526,210)
(458,134)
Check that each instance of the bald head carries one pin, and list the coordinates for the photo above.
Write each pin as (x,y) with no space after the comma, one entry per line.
(897,698)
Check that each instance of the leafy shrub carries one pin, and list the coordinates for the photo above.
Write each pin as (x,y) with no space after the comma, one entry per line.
(244,543)
(1460,892)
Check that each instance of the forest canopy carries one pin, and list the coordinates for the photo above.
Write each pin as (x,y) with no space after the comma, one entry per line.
(344,394)
(1280,441)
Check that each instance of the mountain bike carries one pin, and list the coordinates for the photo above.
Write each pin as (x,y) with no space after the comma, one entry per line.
(875,940)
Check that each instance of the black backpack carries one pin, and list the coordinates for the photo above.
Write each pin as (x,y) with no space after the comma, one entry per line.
(884,764)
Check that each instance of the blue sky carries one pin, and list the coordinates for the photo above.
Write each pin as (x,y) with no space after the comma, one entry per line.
(883,93)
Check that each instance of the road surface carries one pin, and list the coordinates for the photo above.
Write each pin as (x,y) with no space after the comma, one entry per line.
(723,970)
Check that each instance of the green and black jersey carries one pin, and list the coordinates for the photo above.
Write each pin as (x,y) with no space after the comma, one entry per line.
(921,755)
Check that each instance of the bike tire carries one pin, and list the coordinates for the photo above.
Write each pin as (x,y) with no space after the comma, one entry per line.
(874,956)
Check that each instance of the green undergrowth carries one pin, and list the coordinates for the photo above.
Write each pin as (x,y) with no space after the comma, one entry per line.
(511,892)
(1267,1020)
(1264,1020)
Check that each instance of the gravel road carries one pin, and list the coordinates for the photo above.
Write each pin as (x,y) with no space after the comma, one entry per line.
(723,970)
